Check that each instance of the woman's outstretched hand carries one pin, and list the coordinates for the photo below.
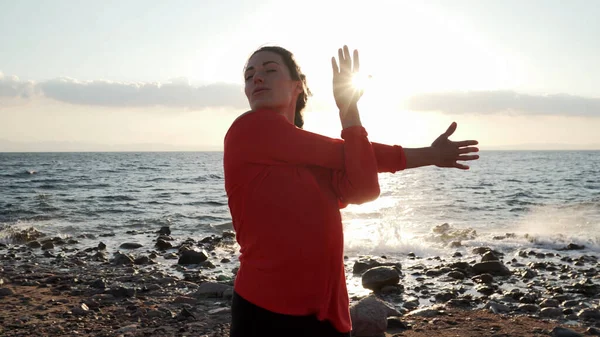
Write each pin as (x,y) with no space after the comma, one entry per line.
(451,152)
(345,94)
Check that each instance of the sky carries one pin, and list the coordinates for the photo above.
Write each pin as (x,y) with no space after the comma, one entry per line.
(147,75)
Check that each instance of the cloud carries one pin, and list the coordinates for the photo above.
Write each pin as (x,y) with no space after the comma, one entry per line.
(12,86)
(492,102)
(177,93)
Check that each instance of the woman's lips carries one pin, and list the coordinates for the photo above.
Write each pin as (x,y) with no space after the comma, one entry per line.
(258,91)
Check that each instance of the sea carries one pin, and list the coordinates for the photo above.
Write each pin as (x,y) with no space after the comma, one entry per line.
(508,200)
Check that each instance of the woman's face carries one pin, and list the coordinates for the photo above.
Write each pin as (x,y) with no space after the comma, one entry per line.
(268,83)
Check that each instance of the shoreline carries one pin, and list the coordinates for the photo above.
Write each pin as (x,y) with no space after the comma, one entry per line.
(48,287)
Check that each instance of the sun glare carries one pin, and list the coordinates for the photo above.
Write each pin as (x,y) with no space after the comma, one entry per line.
(360,81)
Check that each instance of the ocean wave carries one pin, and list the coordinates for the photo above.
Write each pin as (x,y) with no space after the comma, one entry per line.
(206,203)
(117,198)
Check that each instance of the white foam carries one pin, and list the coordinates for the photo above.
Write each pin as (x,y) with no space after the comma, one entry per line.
(378,238)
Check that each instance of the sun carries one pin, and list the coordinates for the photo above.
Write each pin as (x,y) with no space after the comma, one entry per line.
(360,81)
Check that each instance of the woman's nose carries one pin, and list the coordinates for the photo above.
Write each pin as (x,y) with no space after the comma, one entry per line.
(258,77)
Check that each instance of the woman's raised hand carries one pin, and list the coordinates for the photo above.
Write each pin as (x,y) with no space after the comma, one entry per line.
(345,93)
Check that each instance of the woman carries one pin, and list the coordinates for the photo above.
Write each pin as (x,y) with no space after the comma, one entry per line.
(286,187)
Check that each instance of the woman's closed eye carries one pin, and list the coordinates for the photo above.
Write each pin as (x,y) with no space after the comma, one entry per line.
(249,77)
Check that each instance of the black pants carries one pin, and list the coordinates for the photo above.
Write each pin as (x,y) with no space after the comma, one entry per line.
(249,320)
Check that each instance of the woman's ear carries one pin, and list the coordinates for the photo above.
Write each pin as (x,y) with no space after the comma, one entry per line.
(299,89)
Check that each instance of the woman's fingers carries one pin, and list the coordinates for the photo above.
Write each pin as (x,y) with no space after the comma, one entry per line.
(466,143)
(461,166)
(346,60)
(467,150)
(334,66)
(465,158)
(341,57)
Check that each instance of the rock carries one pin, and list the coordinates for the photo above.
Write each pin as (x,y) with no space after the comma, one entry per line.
(48,245)
(455,274)
(6,292)
(395,289)
(170,256)
(142,260)
(551,313)
(228,235)
(570,303)
(483,278)
(459,303)
(130,245)
(369,317)
(121,258)
(562,332)
(489,256)
(491,267)
(441,228)
(184,314)
(444,296)
(101,246)
(532,308)
(425,312)
(219,311)
(208,264)
(396,323)
(528,273)
(485,289)
(589,314)
(433,272)
(49,254)
(481,250)
(122,292)
(228,293)
(379,277)
(211,289)
(99,283)
(593,331)
(192,257)
(127,329)
(455,244)
(573,246)
(185,299)
(80,310)
(461,266)
(496,308)
(549,303)
(363,265)
(34,244)
(165,230)
(162,244)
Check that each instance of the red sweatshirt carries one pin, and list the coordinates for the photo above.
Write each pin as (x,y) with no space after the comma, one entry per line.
(285,188)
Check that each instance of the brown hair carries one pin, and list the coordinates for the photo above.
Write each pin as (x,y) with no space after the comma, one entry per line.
(296,74)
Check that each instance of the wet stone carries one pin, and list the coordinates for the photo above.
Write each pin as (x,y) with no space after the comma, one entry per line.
(551,313)
(549,303)
(130,245)
(192,257)
(5,292)
(165,230)
(589,314)
(564,332)
(379,277)
(162,244)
